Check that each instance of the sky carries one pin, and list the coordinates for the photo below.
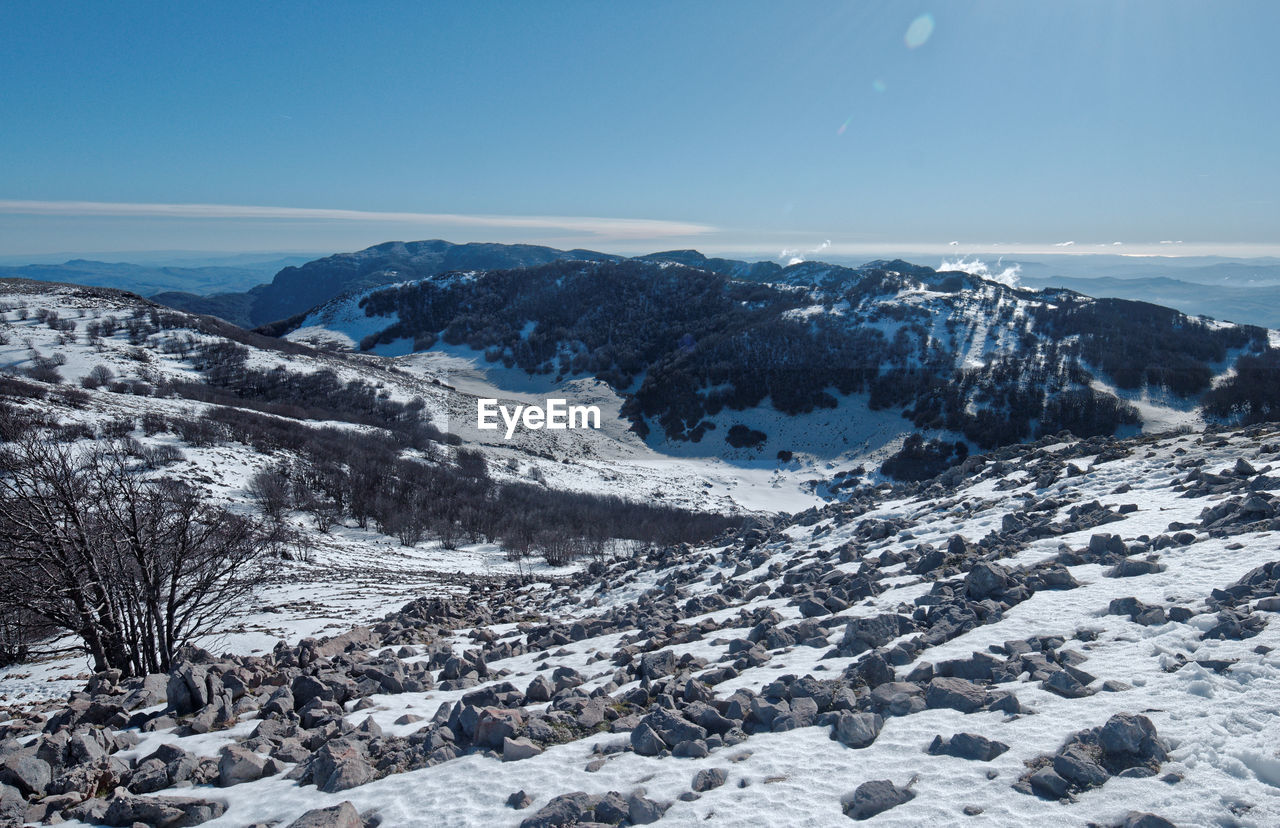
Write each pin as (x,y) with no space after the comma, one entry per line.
(778,129)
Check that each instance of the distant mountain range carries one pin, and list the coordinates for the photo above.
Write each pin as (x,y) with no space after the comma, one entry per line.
(256,289)
(149,279)
(1251,305)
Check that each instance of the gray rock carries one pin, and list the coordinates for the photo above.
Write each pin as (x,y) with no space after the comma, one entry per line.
(875,797)
(857,730)
(1064,684)
(513,750)
(150,776)
(644,811)
(708,779)
(540,690)
(1134,567)
(1075,765)
(645,741)
(968,746)
(161,812)
(1048,784)
(340,765)
(612,809)
(565,809)
(1138,819)
(519,800)
(342,815)
(29,774)
(1134,735)
(239,764)
(955,693)
(672,727)
(657,665)
(985,579)
(868,633)
(691,749)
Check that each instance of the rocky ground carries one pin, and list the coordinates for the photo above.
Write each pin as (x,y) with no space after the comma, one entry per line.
(1076,631)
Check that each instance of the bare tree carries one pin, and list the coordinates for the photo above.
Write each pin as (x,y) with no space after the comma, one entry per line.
(134,566)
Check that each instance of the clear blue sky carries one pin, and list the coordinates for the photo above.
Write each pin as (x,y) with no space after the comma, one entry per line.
(731,126)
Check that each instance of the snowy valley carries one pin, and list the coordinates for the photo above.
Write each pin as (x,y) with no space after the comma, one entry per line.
(1052,627)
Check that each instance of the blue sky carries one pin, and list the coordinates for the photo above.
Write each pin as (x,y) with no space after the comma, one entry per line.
(732,127)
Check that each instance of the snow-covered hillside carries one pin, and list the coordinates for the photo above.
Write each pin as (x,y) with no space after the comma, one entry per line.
(822,365)
(1097,616)
(1073,630)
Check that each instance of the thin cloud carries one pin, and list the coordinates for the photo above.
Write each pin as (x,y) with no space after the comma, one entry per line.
(1064,244)
(621,228)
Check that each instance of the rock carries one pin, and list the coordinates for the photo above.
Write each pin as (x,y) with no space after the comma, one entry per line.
(898,698)
(540,690)
(868,633)
(1134,567)
(955,693)
(708,779)
(27,773)
(1131,736)
(810,608)
(985,579)
(565,809)
(340,765)
(657,665)
(238,764)
(875,797)
(342,815)
(161,811)
(150,776)
(513,750)
(691,749)
(495,725)
(1138,819)
(1064,684)
(1048,784)
(1077,766)
(519,800)
(930,559)
(857,730)
(13,808)
(643,811)
(968,746)
(672,728)
(645,741)
(612,809)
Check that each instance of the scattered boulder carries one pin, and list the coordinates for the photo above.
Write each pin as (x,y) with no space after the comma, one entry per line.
(342,815)
(875,797)
(857,730)
(708,779)
(968,746)
(955,693)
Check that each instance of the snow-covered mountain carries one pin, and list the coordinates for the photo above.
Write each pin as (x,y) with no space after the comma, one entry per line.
(1073,630)
(1066,628)
(820,361)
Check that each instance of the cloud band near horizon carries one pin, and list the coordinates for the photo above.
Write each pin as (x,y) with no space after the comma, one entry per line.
(620,228)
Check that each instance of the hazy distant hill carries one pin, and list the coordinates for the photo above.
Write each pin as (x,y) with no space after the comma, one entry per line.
(1252,305)
(147,279)
(295,290)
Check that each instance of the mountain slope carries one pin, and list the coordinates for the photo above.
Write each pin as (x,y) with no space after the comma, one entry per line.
(688,349)
(150,279)
(1080,632)
(298,289)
